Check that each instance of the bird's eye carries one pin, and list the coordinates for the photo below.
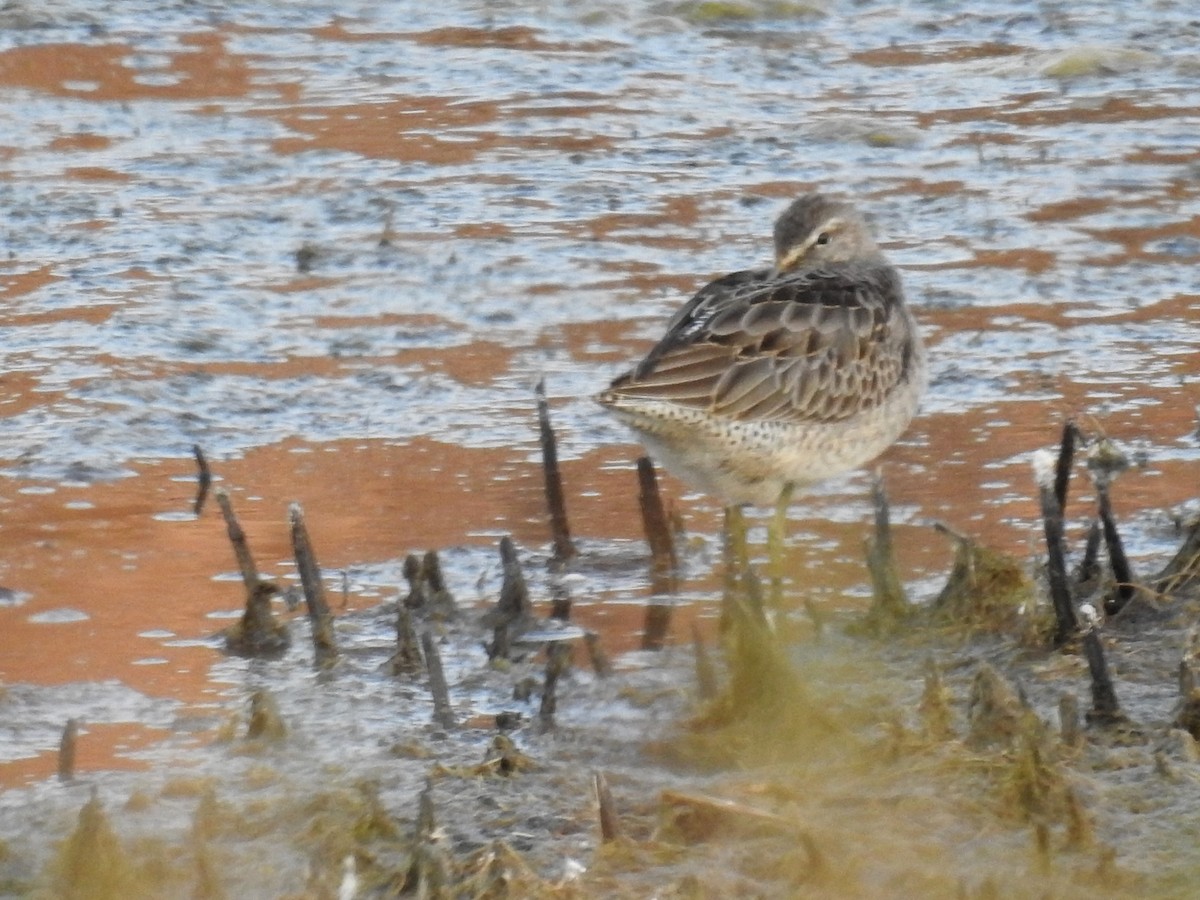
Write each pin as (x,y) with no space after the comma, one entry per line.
(822,238)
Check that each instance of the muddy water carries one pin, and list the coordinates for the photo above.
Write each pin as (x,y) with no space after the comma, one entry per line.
(337,247)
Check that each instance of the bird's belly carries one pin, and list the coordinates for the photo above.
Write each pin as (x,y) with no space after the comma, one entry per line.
(751,461)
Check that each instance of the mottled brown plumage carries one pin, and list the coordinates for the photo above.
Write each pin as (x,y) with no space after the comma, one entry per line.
(782,375)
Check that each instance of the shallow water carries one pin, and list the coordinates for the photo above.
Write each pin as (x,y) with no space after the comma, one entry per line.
(337,247)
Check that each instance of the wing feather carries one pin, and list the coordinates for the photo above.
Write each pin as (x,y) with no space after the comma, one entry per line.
(820,346)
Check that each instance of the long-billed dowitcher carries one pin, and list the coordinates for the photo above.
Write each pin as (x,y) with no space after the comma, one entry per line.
(773,379)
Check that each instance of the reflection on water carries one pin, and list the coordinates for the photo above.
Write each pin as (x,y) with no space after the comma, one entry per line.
(336,248)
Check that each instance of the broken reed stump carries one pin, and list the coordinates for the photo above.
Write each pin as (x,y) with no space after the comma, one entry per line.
(935,705)
(514,594)
(203,480)
(426,814)
(558,658)
(257,633)
(443,713)
(237,537)
(427,591)
(437,595)
(66,750)
(1187,713)
(1105,711)
(416,598)
(1065,619)
(1125,588)
(1105,462)
(560,602)
(663,561)
(429,874)
(889,603)
(1062,466)
(407,659)
(881,558)
(503,757)
(564,548)
(664,564)
(514,609)
(1070,727)
(1087,573)
(610,828)
(601,664)
(324,644)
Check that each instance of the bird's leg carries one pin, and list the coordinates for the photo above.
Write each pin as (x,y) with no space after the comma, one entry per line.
(776,532)
(737,561)
(736,552)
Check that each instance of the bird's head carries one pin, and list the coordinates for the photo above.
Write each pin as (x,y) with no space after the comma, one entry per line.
(817,229)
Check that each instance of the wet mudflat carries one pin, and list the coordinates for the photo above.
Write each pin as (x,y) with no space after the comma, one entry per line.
(337,248)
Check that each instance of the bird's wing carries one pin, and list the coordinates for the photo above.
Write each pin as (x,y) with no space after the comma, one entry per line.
(690,318)
(815,346)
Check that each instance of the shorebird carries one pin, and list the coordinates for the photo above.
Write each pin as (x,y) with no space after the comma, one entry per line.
(770,380)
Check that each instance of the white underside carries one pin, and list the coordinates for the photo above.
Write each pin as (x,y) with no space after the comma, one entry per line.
(750,462)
